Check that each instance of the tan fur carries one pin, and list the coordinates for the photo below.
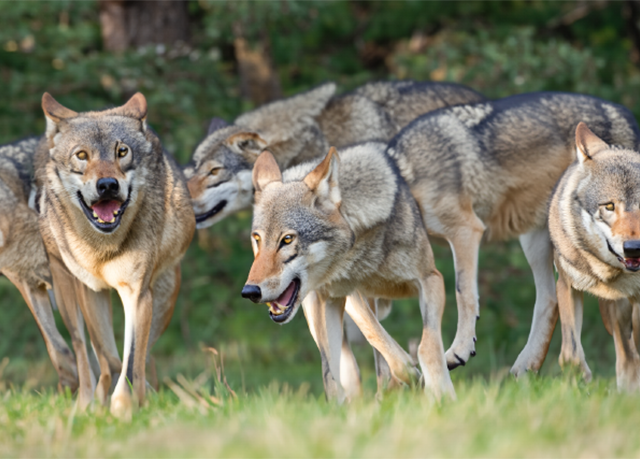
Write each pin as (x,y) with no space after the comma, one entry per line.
(23,259)
(593,246)
(138,256)
(317,233)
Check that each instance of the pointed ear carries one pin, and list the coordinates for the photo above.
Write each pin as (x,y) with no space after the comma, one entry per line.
(54,113)
(265,171)
(248,144)
(136,107)
(216,124)
(323,180)
(587,143)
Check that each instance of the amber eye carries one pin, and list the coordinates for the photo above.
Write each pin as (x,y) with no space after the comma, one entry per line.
(610,206)
(123,151)
(256,237)
(82,155)
(287,239)
(215,170)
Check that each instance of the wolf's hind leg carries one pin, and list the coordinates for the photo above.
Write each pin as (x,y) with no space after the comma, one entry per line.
(437,380)
(465,244)
(627,359)
(570,308)
(539,252)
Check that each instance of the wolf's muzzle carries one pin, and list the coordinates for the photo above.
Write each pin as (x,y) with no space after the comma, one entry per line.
(107,188)
(631,249)
(252,292)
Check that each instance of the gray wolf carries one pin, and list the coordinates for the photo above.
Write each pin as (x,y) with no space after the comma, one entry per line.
(487,170)
(23,259)
(594,222)
(318,236)
(301,128)
(114,213)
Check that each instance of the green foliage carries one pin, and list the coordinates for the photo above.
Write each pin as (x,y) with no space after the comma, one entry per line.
(499,48)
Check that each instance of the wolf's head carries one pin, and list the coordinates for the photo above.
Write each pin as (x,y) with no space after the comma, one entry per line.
(95,156)
(219,177)
(298,231)
(609,198)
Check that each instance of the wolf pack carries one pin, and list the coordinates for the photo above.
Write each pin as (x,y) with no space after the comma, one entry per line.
(347,191)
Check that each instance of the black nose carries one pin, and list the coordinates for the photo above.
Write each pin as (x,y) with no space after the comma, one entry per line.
(107,187)
(252,292)
(631,249)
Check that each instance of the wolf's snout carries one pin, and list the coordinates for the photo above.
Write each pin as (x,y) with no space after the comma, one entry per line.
(631,249)
(252,292)
(108,187)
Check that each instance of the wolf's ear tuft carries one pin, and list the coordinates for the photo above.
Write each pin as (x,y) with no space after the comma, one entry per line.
(248,144)
(54,113)
(323,180)
(265,171)
(136,107)
(587,143)
(216,124)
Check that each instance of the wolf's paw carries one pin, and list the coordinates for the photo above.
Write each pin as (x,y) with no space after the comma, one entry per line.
(122,406)
(570,361)
(459,353)
(527,362)
(441,389)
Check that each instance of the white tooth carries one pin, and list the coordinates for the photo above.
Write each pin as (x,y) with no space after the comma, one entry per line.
(95,215)
(116,212)
(112,220)
(101,220)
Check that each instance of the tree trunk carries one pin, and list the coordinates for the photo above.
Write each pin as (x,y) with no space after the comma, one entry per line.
(258,80)
(140,23)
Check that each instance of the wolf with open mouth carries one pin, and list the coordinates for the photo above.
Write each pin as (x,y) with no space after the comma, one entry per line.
(594,222)
(322,232)
(115,213)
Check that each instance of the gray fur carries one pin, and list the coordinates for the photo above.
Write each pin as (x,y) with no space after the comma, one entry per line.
(303,127)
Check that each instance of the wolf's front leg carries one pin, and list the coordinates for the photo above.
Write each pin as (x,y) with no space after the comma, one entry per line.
(61,356)
(437,380)
(539,252)
(138,313)
(400,363)
(65,291)
(465,244)
(627,359)
(325,323)
(570,308)
(96,309)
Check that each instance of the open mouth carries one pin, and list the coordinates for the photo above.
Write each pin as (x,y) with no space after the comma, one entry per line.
(281,308)
(210,213)
(632,264)
(105,215)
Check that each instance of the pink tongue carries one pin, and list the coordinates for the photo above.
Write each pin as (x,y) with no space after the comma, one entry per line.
(287,294)
(105,209)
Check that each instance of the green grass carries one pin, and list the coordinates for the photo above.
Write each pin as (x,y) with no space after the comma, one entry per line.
(495,417)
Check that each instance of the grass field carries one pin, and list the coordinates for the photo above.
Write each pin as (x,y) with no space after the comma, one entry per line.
(498,417)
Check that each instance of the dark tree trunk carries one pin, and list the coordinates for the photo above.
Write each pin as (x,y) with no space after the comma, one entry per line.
(139,23)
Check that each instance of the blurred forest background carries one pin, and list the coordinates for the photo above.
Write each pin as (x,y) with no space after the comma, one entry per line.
(195,60)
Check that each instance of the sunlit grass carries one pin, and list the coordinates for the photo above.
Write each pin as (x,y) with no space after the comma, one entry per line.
(498,417)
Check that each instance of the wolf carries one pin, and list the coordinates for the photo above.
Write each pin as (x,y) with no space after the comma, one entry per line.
(114,213)
(487,170)
(23,259)
(318,237)
(302,128)
(594,223)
